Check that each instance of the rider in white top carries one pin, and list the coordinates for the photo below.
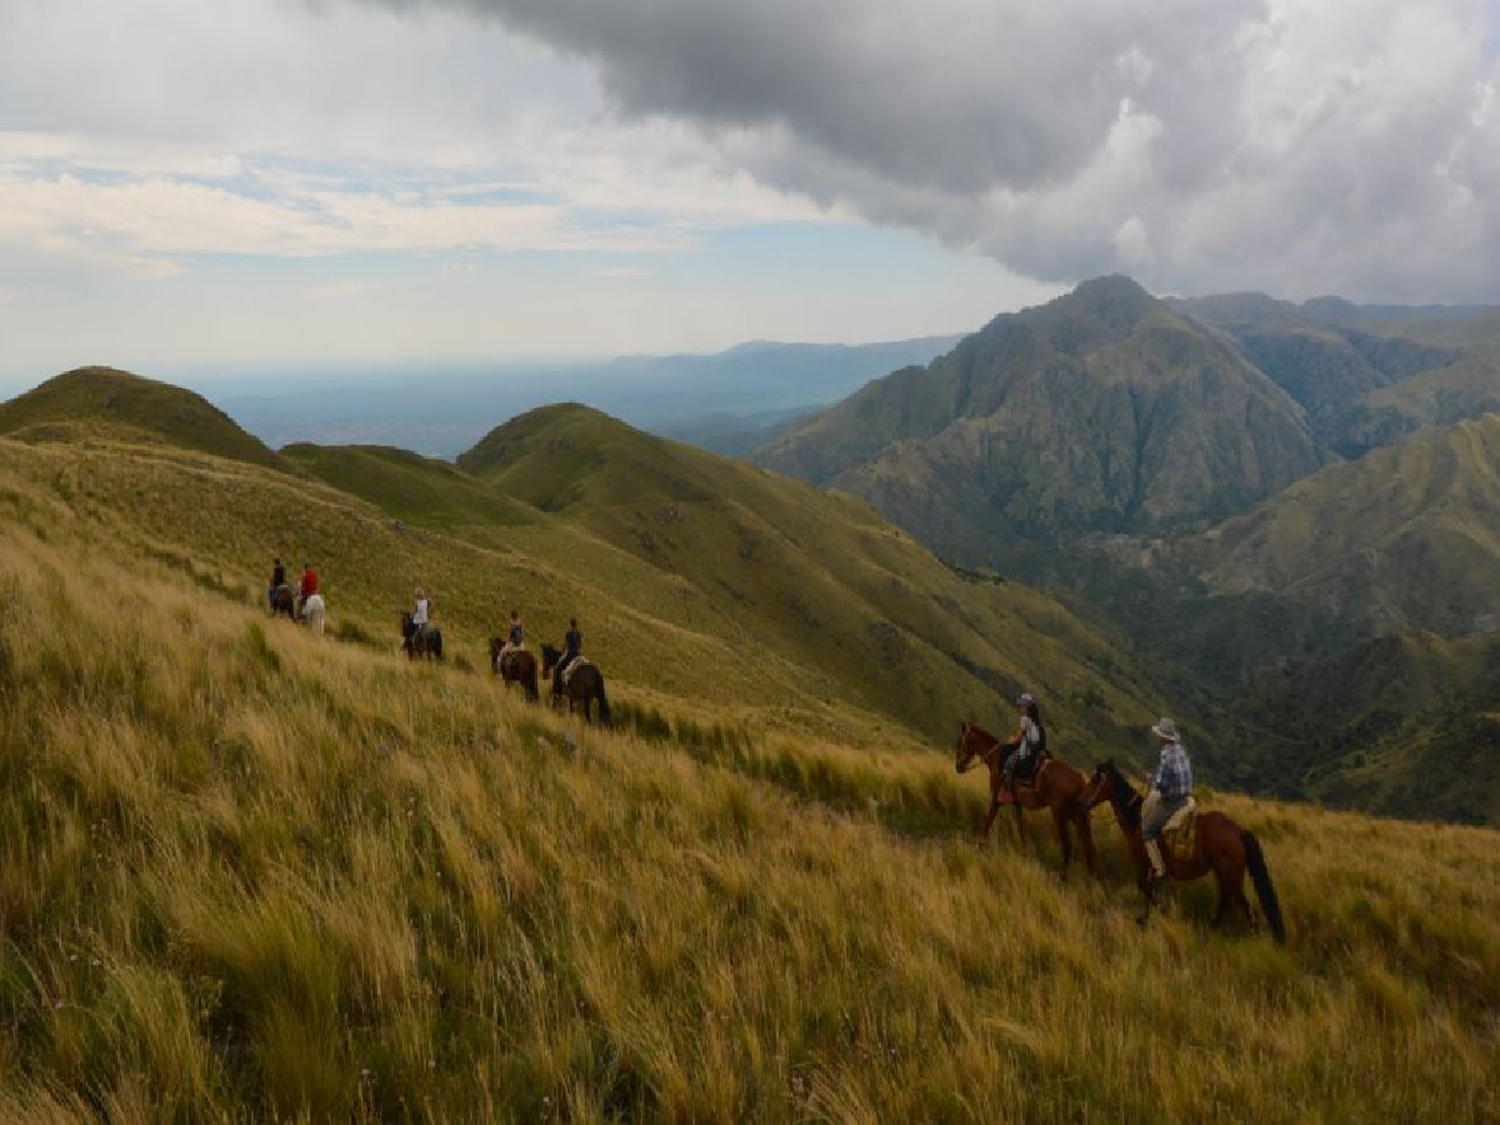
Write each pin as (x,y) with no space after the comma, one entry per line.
(422,617)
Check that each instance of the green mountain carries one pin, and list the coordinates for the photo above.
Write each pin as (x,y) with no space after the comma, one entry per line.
(1407,537)
(1103,411)
(1332,369)
(101,400)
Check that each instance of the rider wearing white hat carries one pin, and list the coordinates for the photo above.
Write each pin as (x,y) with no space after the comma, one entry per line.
(1171,786)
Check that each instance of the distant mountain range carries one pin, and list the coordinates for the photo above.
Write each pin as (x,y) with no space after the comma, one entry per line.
(731,402)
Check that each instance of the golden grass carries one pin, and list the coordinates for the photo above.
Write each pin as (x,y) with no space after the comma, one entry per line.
(246,874)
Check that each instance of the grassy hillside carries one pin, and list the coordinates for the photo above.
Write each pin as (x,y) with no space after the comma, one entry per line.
(245,874)
(854,631)
(1101,411)
(101,400)
(818,580)
(1408,537)
(415,489)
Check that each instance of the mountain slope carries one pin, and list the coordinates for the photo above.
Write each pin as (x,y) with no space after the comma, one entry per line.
(1408,537)
(103,399)
(817,579)
(1351,378)
(252,875)
(1330,368)
(1101,411)
(413,488)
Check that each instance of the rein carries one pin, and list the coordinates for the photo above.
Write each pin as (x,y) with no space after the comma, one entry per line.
(984,757)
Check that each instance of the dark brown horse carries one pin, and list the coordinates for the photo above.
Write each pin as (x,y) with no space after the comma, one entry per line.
(584,686)
(515,667)
(284,601)
(415,644)
(1222,847)
(1055,786)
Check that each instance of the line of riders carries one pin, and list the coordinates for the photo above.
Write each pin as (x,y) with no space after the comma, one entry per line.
(1023,772)
(1168,837)
(575,679)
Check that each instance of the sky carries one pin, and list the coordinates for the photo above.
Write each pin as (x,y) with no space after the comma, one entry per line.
(272,181)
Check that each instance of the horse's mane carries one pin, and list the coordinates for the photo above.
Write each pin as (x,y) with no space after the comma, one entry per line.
(982,733)
(1129,800)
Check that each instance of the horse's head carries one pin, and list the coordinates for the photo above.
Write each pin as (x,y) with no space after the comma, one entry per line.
(965,753)
(407,628)
(496,644)
(1099,787)
(550,657)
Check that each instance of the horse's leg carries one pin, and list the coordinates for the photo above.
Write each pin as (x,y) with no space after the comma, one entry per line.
(1064,839)
(989,820)
(1086,837)
(1021,827)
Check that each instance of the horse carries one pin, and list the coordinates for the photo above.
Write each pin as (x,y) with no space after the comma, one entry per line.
(1222,847)
(313,613)
(518,666)
(1055,786)
(415,645)
(284,601)
(585,685)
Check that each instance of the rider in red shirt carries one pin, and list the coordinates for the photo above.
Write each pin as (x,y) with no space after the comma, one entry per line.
(309,581)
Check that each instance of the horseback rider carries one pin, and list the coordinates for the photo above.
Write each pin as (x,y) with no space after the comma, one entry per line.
(278,580)
(515,640)
(572,650)
(1029,743)
(421,617)
(1171,786)
(309,585)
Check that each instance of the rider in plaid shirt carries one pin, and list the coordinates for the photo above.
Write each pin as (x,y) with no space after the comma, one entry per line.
(1170,789)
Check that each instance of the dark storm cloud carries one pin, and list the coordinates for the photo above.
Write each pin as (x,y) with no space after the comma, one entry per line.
(1301,145)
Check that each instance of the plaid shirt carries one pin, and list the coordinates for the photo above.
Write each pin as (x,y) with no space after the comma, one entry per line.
(1174,777)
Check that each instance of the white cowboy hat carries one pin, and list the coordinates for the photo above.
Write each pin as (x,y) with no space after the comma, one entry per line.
(1165,729)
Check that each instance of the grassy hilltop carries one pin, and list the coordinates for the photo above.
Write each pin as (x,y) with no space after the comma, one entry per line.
(248,874)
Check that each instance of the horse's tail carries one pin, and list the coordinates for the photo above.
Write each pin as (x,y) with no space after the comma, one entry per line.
(1255,860)
(533,692)
(603,703)
(435,642)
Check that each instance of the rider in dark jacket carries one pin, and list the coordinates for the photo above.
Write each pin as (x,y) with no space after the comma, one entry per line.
(572,650)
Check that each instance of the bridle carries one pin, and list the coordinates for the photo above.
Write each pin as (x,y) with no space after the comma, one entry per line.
(975,757)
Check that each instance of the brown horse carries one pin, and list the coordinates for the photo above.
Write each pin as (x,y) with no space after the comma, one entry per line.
(284,601)
(1222,847)
(584,686)
(1055,786)
(516,667)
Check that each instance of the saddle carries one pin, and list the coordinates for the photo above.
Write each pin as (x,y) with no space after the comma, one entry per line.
(567,676)
(1026,781)
(1179,835)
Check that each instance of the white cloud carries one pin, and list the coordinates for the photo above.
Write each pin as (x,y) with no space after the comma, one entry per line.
(1295,145)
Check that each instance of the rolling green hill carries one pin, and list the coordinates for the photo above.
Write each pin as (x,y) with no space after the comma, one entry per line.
(698,580)
(1103,411)
(815,578)
(103,400)
(419,490)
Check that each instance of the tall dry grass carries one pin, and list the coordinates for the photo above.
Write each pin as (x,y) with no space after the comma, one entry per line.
(247,874)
